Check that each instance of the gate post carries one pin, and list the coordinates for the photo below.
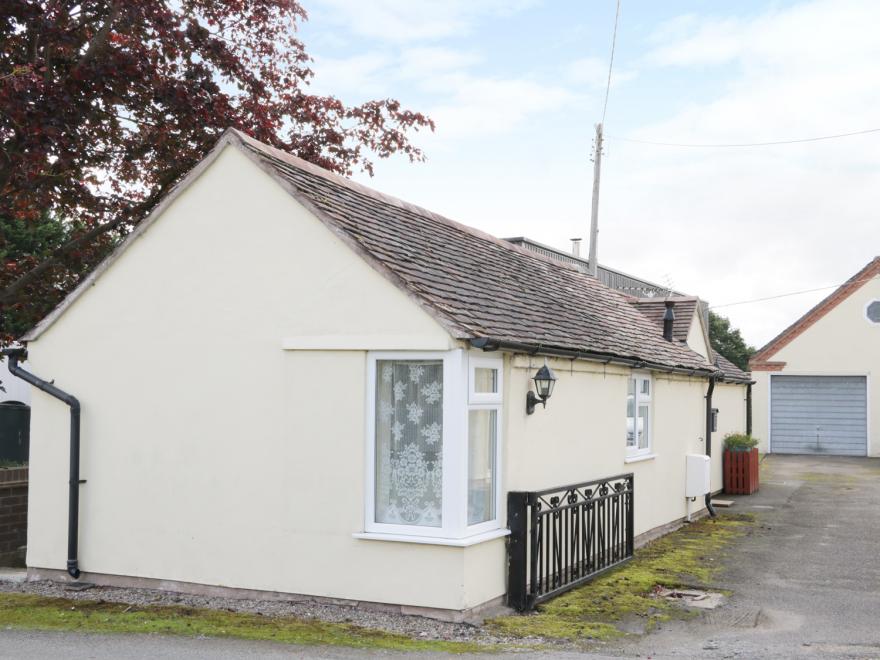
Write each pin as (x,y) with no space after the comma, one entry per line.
(517,544)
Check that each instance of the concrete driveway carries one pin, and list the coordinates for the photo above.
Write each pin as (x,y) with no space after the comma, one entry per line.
(806,580)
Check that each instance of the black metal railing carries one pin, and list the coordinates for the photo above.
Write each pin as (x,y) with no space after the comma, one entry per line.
(562,537)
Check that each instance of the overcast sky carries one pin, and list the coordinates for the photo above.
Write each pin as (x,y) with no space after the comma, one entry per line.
(516,86)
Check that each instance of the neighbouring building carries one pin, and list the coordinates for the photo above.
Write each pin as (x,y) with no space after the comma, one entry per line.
(293,384)
(813,392)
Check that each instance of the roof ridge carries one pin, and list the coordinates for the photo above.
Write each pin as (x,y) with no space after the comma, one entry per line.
(658,299)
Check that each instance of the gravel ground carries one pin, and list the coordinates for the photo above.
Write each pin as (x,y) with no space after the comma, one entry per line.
(412,626)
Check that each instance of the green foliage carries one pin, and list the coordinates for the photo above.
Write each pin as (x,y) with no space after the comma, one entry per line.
(40,613)
(739,442)
(12,464)
(595,610)
(35,239)
(728,341)
(25,244)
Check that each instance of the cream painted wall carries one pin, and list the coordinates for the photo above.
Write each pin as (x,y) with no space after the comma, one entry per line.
(841,343)
(579,437)
(189,475)
(193,477)
(761,409)
(696,340)
(730,399)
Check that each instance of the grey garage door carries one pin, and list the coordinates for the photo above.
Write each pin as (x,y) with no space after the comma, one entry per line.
(819,415)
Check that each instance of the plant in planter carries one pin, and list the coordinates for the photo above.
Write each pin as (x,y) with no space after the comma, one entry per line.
(740,464)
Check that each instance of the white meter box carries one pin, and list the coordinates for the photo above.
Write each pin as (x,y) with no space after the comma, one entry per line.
(697,475)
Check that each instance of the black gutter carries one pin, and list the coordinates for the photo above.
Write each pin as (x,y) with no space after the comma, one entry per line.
(709,441)
(487,344)
(14,355)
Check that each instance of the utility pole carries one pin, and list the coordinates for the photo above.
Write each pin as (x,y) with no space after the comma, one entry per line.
(594,216)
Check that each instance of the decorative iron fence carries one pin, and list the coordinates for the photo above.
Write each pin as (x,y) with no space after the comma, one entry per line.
(562,537)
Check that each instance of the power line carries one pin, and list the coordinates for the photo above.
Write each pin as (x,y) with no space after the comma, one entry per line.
(795,293)
(743,144)
(611,60)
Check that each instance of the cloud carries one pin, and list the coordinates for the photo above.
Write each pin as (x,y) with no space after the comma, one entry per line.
(364,72)
(414,20)
(479,106)
(462,103)
(426,62)
(746,223)
(593,72)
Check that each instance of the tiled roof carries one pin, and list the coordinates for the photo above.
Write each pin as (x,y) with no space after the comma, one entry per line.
(478,286)
(655,308)
(729,369)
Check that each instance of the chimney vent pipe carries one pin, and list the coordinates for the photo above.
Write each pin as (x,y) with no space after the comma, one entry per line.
(668,319)
(576,247)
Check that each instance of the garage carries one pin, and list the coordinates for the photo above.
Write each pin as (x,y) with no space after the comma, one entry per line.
(819,415)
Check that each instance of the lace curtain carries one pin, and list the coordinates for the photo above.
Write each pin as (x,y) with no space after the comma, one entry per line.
(409,442)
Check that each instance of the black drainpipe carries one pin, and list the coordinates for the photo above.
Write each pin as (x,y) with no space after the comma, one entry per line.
(709,440)
(14,355)
(749,409)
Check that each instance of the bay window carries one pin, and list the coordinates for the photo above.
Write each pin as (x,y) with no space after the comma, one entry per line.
(433,444)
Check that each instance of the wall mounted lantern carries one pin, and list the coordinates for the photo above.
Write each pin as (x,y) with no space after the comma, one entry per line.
(545,379)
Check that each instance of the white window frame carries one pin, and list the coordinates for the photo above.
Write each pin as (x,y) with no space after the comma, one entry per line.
(486,401)
(641,399)
(457,396)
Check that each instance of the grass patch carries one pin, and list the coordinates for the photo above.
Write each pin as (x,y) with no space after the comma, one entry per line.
(41,613)
(5,463)
(689,556)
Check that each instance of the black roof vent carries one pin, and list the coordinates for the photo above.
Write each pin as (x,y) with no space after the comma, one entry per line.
(668,319)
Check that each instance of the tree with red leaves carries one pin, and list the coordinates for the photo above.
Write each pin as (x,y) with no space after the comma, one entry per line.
(105,104)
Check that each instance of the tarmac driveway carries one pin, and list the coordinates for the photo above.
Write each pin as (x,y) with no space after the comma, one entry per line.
(806,580)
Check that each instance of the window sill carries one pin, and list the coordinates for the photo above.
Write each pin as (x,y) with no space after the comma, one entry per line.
(431,540)
(639,458)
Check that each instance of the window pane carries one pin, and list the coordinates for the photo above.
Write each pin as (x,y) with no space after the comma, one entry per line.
(485,380)
(482,440)
(644,427)
(646,387)
(409,442)
(630,416)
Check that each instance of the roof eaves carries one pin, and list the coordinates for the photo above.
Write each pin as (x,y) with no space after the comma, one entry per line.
(490,344)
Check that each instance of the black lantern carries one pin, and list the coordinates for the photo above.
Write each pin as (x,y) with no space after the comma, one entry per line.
(545,379)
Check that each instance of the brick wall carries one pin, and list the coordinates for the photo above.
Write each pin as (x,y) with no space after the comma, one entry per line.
(13,515)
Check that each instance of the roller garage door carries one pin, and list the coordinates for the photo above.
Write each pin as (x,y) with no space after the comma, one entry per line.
(819,415)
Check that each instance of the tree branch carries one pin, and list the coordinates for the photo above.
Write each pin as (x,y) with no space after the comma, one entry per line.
(100,39)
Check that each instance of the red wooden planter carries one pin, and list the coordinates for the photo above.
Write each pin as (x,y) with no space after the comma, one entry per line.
(741,472)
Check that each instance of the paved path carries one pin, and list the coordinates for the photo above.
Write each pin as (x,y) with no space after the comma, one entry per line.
(806,583)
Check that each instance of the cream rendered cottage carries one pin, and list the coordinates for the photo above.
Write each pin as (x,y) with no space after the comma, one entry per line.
(292,384)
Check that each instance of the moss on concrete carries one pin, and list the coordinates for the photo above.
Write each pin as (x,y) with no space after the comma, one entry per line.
(597,610)
(36,612)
